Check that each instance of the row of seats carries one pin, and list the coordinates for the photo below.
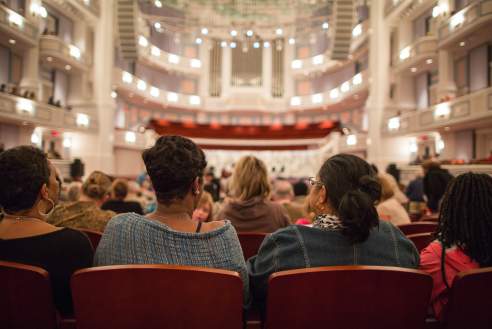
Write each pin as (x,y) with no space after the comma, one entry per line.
(169,296)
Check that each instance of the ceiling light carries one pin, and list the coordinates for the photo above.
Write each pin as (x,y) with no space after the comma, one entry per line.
(295,101)
(296,64)
(413,69)
(279,31)
(249,33)
(49,59)
(318,59)
(142,41)
(157,25)
(345,87)
(233,33)
(292,41)
(12,41)
(130,137)
(357,79)
(325,26)
(67,142)
(82,120)
(256,45)
(198,41)
(317,98)
(114,94)
(126,77)
(404,53)
(429,61)
(174,59)
(158,4)
(204,31)
(462,44)
(266,44)
(172,97)
(233,45)
(25,106)
(351,140)
(442,111)
(457,19)
(155,51)
(154,92)
(357,30)
(195,63)
(141,85)
(194,100)
(223,44)
(16,19)
(68,67)
(74,51)
(334,93)
(394,123)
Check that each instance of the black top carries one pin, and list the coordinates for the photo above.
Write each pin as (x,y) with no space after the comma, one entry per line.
(60,253)
(120,207)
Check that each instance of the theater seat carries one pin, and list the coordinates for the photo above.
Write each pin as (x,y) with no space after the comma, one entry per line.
(421,240)
(157,296)
(25,297)
(94,236)
(348,297)
(470,301)
(250,242)
(419,227)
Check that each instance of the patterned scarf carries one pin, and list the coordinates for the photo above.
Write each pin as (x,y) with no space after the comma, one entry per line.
(327,222)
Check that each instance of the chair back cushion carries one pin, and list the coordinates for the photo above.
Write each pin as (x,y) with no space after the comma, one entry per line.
(419,227)
(25,297)
(157,296)
(348,297)
(250,243)
(421,240)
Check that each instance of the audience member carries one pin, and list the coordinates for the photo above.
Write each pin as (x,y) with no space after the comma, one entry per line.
(346,230)
(465,232)
(205,208)
(169,235)
(212,185)
(86,213)
(28,195)
(249,209)
(300,191)
(74,191)
(436,180)
(399,195)
(283,194)
(119,192)
(415,194)
(389,208)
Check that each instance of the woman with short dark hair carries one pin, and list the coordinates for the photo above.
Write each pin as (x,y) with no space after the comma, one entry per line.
(465,231)
(346,229)
(28,194)
(169,235)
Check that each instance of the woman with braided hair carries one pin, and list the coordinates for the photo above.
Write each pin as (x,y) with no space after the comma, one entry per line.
(465,231)
(346,229)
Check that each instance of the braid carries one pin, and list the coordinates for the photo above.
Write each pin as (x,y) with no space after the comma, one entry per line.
(465,219)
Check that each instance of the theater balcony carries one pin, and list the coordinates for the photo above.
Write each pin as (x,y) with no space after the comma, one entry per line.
(153,56)
(27,111)
(91,6)
(466,22)
(54,52)
(419,56)
(360,36)
(15,28)
(130,85)
(469,110)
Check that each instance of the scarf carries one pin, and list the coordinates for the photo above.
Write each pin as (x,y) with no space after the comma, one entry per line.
(327,222)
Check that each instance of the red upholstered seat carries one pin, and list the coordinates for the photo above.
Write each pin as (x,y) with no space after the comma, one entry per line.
(157,296)
(421,240)
(250,242)
(25,297)
(94,236)
(348,297)
(419,227)
(470,301)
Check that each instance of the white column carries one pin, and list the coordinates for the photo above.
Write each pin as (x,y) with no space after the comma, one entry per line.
(204,56)
(267,71)
(78,82)
(30,74)
(446,86)
(289,54)
(226,72)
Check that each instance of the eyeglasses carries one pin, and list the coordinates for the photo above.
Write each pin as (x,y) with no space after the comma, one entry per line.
(314,182)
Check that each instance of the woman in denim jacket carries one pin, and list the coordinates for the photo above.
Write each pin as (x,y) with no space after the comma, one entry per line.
(346,229)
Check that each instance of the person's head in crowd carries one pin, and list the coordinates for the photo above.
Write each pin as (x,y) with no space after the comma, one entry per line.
(208,177)
(393,170)
(346,187)
(74,191)
(250,179)
(282,191)
(300,188)
(465,219)
(204,210)
(429,165)
(386,188)
(29,183)
(175,165)
(119,189)
(96,187)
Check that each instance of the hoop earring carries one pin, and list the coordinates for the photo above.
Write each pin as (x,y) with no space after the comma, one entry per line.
(45,215)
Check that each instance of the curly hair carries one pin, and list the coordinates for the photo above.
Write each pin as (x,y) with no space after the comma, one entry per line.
(24,170)
(173,163)
(465,219)
(97,185)
(352,190)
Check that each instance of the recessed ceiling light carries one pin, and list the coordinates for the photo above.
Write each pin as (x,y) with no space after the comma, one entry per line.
(279,31)
(204,31)
(413,69)
(68,67)
(292,41)
(249,33)
(429,61)
(325,26)
(157,25)
(12,41)
(462,44)
(49,59)
(233,33)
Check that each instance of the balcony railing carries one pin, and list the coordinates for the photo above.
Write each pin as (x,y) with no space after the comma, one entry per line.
(470,107)
(422,49)
(359,35)
(92,5)
(465,21)
(25,110)
(357,83)
(17,26)
(67,54)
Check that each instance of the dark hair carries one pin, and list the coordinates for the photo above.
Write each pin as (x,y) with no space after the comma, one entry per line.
(120,189)
(352,191)
(393,170)
(173,163)
(465,219)
(300,188)
(23,171)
